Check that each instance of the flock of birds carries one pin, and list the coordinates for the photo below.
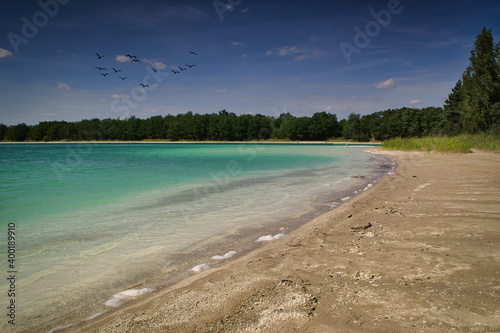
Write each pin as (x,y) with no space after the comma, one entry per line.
(105,72)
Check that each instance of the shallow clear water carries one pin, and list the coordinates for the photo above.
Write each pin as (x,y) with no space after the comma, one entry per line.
(93,219)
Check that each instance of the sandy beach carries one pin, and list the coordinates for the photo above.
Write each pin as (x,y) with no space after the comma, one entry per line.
(418,252)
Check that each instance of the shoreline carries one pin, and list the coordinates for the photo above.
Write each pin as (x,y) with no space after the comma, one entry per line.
(205,250)
(200,142)
(420,252)
(355,268)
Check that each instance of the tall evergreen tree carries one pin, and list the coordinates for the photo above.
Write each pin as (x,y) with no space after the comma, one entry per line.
(481,85)
(454,98)
(495,110)
(452,110)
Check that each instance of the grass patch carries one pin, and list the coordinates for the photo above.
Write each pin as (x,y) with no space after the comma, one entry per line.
(439,144)
(488,142)
(457,144)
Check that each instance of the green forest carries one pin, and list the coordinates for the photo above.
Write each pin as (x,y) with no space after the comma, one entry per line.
(473,106)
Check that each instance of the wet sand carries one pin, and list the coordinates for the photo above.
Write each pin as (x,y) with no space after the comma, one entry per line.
(418,252)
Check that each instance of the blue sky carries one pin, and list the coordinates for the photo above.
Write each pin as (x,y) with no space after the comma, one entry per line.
(265,57)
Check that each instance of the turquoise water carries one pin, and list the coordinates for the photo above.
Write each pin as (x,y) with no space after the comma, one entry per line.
(94,219)
(41,180)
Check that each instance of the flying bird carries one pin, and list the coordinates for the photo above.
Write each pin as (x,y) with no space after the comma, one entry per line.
(193,52)
(99,56)
(116,70)
(104,74)
(154,70)
(143,85)
(136,60)
(182,69)
(101,69)
(190,66)
(175,72)
(123,78)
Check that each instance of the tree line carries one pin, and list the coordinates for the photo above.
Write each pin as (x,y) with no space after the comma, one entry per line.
(474,103)
(472,106)
(227,126)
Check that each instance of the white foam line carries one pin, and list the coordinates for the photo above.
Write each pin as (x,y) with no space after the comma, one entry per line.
(226,256)
(117,298)
(266,238)
(60,328)
(368,187)
(200,268)
(97,315)
(269,238)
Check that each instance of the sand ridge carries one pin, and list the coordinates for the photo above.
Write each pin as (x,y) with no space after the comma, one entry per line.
(418,252)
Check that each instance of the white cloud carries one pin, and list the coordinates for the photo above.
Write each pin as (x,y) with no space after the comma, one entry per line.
(386,84)
(116,96)
(5,53)
(238,43)
(49,114)
(312,54)
(414,101)
(221,91)
(157,64)
(287,50)
(62,86)
(302,57)
(122,58)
